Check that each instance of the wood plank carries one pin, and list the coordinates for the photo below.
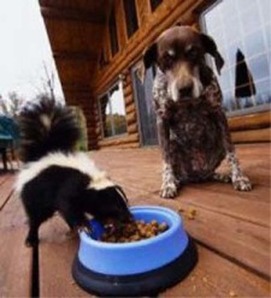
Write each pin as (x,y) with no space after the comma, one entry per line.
(215,276)
(71,14)
(251,121)
(241,219)
(56,254)
(13,215)
(15,263)
(253,135)
(169,12)
(126,139)
(75,55)
(15,257)
(6,189)
(241,241)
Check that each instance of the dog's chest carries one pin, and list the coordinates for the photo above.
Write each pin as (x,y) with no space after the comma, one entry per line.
(195,124)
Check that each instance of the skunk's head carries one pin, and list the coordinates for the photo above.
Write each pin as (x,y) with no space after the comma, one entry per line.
(107,205)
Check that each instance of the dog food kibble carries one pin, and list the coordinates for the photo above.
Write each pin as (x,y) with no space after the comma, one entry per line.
(134,231)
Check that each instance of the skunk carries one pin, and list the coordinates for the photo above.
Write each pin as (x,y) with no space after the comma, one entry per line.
(57,178)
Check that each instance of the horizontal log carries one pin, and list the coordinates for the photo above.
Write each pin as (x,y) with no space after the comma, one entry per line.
(128,90)
(126,139)
(131,118)
(251,121)
(129,99)
(130,108)
(124,146)
(146,35)
(251,136)
(132,128)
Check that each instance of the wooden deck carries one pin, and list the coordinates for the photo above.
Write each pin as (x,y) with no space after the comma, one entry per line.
(232,230)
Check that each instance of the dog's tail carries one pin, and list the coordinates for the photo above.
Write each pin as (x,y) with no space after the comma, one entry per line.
(47,127)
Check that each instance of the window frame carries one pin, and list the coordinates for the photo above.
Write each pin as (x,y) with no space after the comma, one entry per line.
(238,112)
(113,38)
(154,6)
(107,93)
(126,18)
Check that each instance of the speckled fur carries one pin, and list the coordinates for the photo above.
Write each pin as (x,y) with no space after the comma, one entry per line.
(194,139)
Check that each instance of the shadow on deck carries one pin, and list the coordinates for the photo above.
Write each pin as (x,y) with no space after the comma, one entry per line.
(232,230)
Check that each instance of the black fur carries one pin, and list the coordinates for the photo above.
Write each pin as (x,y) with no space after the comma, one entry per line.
(57,187)
(37,139)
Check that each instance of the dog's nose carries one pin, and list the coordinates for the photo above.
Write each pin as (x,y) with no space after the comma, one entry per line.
(186,91)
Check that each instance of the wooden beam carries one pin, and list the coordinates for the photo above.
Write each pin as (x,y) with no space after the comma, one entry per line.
(72,87)
(71,14)
(250,121)
(75,55)
(252,136)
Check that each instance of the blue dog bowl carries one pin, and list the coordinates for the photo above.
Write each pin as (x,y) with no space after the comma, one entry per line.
(144,267)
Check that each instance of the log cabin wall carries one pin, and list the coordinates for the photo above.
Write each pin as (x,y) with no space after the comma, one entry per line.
(246,128)
(150,24)
(79,34)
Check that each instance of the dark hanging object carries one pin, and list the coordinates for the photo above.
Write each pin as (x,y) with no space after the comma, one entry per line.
(244,83)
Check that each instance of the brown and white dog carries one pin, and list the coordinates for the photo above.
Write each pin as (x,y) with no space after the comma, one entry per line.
(192,126)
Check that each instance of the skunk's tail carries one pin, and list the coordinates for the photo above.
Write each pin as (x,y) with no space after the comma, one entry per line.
(47,127)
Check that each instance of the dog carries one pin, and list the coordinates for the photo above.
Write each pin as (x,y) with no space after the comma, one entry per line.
(57,178)
(192,127)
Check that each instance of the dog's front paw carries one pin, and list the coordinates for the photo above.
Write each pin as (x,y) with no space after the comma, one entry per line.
(242,183)
(168,190)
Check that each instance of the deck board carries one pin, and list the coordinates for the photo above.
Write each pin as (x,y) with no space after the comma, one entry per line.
(215,276)
(231,228)
(15,264)
(15,257)
(56,253)
(234,223)
(6,184)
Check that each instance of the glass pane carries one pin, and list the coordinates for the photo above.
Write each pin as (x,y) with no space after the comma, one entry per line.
(242,27)
(118,109)
(254,43)
(113,33)
(130,16)
(106,116)
(259,67)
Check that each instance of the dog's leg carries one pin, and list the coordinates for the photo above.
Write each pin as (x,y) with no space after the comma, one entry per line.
(239,180)
(169,183)
(169,186)
(224,178)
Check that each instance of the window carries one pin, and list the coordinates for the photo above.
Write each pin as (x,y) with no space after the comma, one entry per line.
(130,16)
(242,33)
(155,4)
(113,33)
(144,102)
(112,111)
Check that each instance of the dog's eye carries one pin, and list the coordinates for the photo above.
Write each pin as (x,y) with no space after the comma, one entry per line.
(168,60)
(192,53)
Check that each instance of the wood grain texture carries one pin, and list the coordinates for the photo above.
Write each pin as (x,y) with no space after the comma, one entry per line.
(15,264)
(232,229)
(15,257)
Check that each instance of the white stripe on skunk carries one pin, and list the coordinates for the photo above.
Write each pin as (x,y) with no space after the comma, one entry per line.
(78,161)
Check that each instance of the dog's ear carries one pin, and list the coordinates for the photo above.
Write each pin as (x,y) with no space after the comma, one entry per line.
(210,47)
(149,58)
